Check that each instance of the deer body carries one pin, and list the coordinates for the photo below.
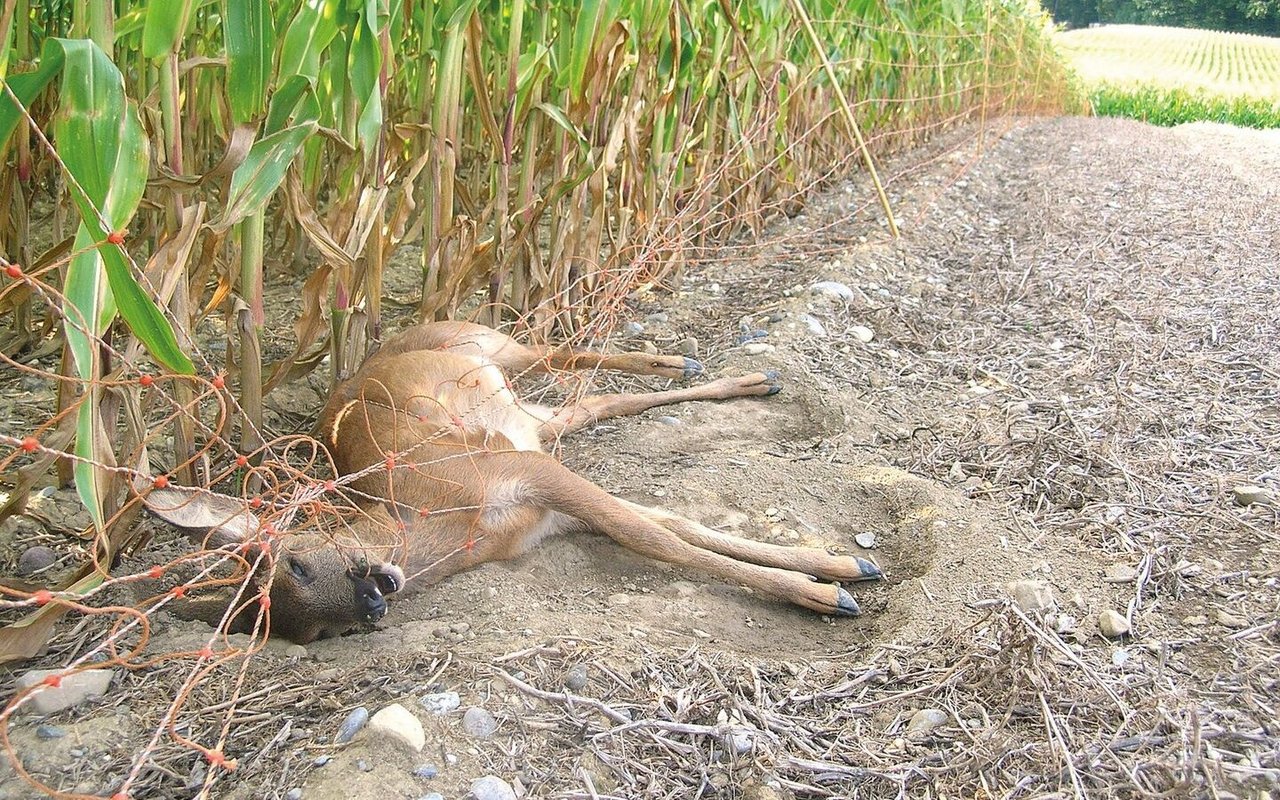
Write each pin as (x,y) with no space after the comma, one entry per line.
(449,466)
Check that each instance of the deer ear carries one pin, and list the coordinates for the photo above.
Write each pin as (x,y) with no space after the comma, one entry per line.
(224,519)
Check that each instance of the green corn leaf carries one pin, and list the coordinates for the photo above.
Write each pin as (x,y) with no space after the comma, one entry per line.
(166,26)
(309,33)
(104,148)
(293,103)
(559,117)
(262,172)
(250,39)
(26,87)
(364,69)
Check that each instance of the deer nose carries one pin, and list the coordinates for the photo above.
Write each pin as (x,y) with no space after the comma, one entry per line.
(372,605)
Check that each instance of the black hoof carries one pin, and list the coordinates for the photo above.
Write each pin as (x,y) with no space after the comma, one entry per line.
(772,377)
(846,606)
(870,570)
(692,367)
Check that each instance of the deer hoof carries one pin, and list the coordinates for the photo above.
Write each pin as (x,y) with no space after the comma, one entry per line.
(692,367)
(772,377)
(846,606)
(869,569)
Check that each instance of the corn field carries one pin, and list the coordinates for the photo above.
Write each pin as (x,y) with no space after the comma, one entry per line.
(1209,63)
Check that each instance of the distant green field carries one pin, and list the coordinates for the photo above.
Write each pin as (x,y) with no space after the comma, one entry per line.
(1173,75)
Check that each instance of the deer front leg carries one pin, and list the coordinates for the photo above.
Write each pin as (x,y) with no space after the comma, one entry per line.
(547,483)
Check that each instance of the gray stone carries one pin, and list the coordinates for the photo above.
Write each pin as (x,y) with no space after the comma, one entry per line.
(619,599)
(687,346)
(659,317)
(1030,595)
(397,723)
(34,559)
(441,702)
(491,787)
(757,348)
(293,794)
(479,723)
(425,771)
(576,680)
(1113,624)
(833,289)
(320,761)
(926,719)
(363,766)
(667,419)
(49,732)
(1249,495)
(295,651)
(72,690)
(432,796)
(632,329)
(866,539)
(352,725)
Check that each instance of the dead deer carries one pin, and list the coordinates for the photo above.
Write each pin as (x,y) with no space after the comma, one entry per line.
(452,470)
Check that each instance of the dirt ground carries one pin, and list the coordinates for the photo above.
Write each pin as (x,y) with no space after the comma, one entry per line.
(1071,368)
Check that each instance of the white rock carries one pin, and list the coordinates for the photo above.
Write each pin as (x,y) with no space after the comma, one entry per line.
(1249,495)
(813,324)
(1230,620)
(71,690)
(1030,595)
(757,348)
(1113,624)
(398,723)
(926,719)
(862,333)
(741,742)
(832,289)
(1121,573)
(865,539)
(491,787)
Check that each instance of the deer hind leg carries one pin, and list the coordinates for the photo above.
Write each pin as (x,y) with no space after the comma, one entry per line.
(810,560)
(515,358)
(594,408)
(552,486)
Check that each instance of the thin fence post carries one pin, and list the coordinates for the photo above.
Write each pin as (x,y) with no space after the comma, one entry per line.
(848,114)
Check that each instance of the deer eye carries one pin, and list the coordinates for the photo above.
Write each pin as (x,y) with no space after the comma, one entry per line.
(299,571)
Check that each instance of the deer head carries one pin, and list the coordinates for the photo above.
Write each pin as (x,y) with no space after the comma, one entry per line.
(320,585)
